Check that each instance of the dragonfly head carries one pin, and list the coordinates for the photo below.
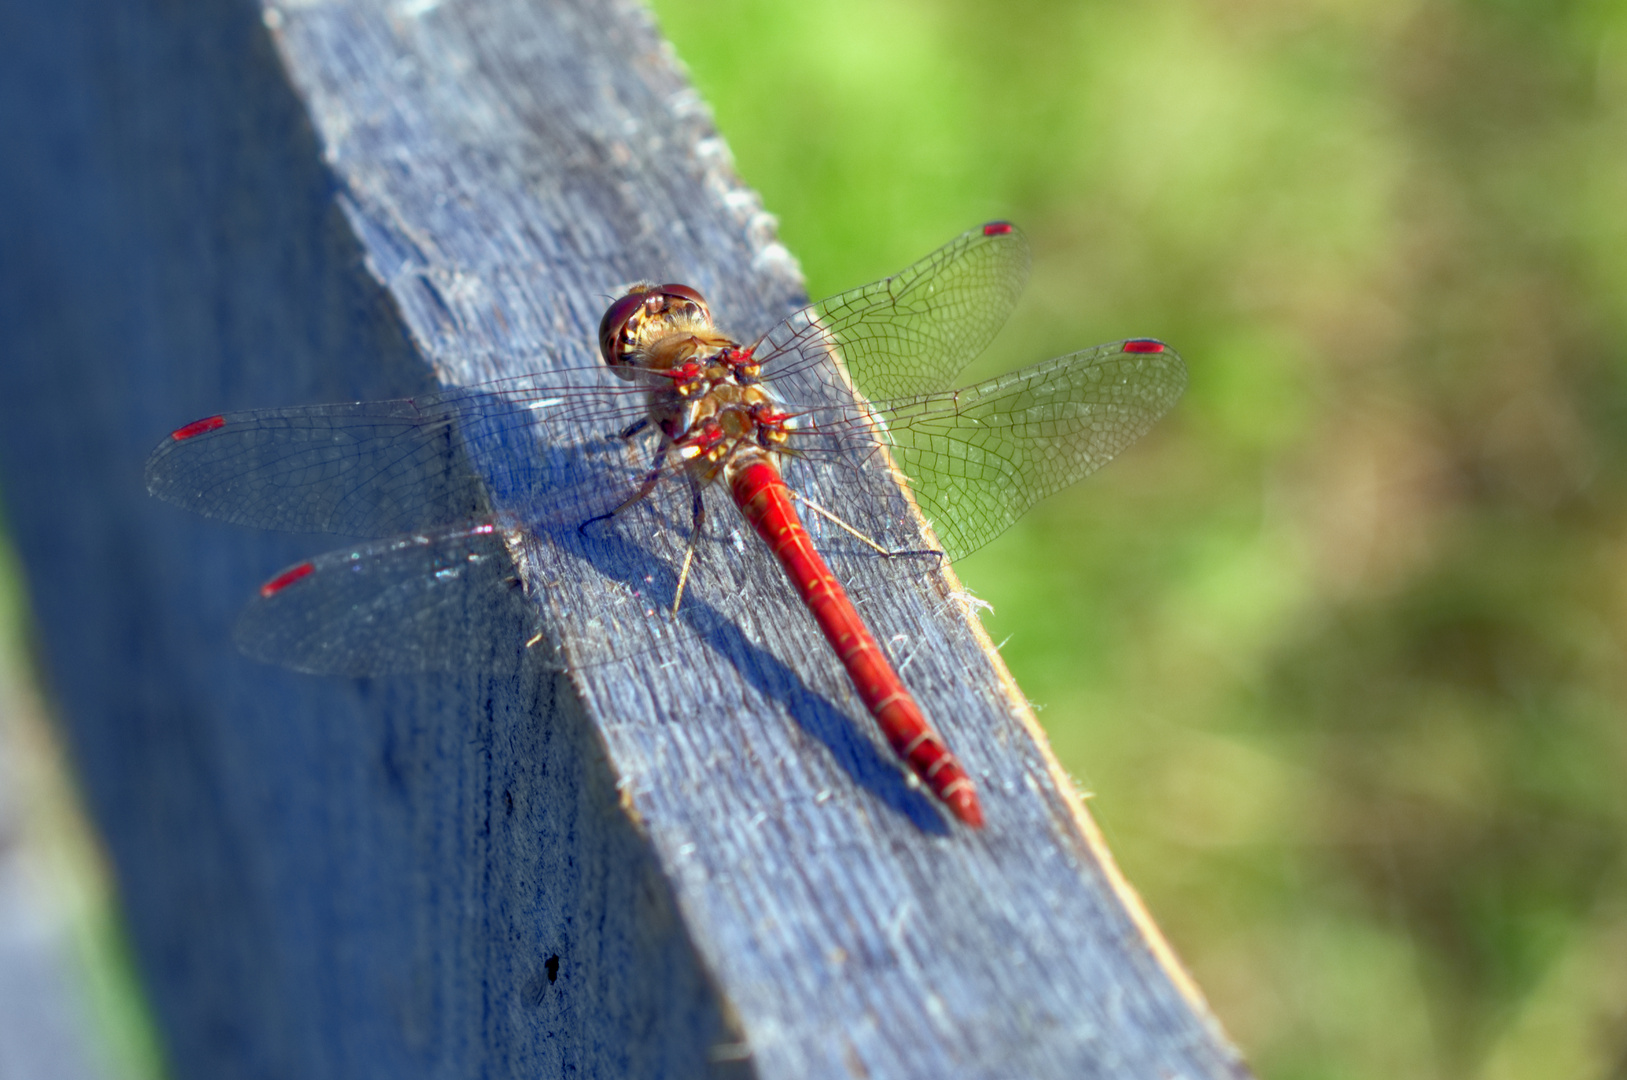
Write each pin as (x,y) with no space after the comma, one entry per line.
(645,313)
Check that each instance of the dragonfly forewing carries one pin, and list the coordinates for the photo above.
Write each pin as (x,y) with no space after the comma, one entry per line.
(379,468)
(913,332)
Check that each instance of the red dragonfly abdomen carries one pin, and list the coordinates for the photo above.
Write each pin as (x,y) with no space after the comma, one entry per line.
(760,492)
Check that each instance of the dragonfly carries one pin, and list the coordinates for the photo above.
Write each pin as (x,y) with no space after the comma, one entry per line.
(853,395)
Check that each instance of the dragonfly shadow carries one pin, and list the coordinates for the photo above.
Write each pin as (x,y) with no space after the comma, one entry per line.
(617,555)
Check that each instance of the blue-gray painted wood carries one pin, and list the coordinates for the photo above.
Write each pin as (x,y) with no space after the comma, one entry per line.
(636,869)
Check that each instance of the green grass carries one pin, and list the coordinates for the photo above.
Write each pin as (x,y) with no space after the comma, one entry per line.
(1340,647)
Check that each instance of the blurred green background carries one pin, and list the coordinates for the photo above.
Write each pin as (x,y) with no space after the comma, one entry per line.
(1339,648)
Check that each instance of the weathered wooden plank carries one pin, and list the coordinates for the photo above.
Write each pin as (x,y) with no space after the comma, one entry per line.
(639,868)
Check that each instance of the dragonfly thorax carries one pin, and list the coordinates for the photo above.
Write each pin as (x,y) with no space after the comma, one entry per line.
(732,419)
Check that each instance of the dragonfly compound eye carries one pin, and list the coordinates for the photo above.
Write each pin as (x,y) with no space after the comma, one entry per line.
(624,323)
(613,327)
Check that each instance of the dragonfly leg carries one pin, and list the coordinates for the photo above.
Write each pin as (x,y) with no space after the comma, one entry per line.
(632,429)
(651,478)
(698,508)
(828,516)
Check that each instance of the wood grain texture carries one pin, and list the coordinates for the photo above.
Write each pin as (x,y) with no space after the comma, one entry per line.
(702,866)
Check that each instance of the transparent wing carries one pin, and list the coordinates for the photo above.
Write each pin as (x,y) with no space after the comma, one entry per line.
(377,468)
(978,458)
(913,332)
(440,601)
